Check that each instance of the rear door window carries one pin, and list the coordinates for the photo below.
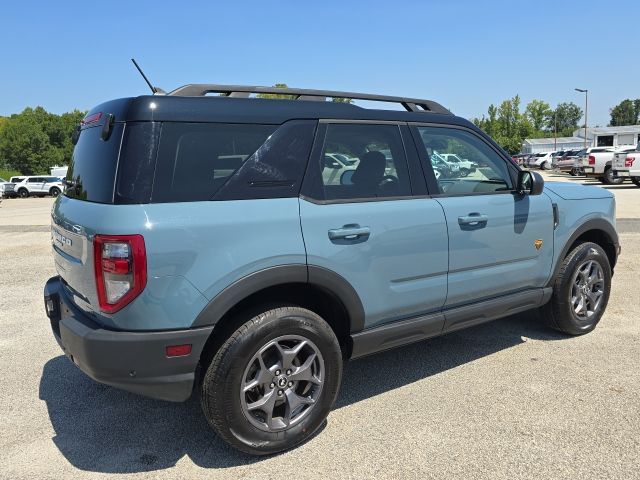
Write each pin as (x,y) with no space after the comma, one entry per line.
(378,168)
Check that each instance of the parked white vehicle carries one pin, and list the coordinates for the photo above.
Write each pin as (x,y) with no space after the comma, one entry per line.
(7,189)
(335,164)
(598,165)
(39,185)
(466,166)
(543,161)
(627,165)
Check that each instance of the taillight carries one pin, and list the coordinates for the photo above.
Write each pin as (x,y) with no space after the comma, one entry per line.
(120,265)
(592,160)
(628,162)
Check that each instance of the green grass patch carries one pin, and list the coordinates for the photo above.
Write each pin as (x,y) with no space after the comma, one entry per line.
(6,174)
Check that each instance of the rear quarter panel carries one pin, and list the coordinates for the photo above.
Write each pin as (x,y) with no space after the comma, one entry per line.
(194,250)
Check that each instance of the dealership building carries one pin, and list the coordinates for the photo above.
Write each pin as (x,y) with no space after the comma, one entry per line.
(596,137)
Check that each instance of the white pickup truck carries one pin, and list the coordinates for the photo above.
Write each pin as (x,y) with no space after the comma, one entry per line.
(599,165)
(627,165)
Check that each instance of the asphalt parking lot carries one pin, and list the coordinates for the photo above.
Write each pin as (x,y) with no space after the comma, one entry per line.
(508,399)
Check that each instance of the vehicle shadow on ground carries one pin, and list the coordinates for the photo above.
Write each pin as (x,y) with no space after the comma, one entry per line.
(101,429)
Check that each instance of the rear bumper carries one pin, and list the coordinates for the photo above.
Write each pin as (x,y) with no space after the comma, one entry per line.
(621,173)
(132,361)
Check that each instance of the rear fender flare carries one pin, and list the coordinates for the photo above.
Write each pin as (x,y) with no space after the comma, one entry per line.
(281,275)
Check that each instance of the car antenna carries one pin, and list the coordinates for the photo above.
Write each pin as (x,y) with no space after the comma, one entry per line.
(155,90)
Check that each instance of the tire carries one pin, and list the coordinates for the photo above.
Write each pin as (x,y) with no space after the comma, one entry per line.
(573,172)
(560,313)
(226,405)
(610,179)
(23,193)
(464,172)
(545,166)
(636,181)
(54,192)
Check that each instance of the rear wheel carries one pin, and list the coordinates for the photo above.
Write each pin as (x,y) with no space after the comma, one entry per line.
(545,166)
(636,181)
(271,385)
(54,192)
(464,172)
(610,178)
(580,291)
(23,193)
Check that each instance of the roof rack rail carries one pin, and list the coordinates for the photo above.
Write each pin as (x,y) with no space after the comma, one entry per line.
(244,91)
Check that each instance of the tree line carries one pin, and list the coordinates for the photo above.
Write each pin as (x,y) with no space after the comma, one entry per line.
(34,140)
(509,126)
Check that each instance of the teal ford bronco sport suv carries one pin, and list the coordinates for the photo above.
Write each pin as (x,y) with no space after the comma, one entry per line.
(202,244)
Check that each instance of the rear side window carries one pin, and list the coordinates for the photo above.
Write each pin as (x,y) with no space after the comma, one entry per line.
(93,165)
(198,162)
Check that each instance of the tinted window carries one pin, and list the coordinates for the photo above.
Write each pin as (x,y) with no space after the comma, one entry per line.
(137,162)
(379,166)
(93,165)
(231,161)
(490,172)
(35,180)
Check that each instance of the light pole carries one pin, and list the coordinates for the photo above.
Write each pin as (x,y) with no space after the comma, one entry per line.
(586,106)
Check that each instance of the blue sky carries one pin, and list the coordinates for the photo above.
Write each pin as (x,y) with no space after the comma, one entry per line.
(465,54)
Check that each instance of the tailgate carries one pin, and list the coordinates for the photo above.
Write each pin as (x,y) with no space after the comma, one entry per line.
(73,257)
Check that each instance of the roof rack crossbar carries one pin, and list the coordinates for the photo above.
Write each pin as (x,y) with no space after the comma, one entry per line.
(243,91)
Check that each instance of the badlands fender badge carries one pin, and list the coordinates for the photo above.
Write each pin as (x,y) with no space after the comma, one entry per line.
(537,244)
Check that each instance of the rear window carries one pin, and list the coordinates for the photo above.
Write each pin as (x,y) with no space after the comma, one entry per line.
(93,165)
(215,161)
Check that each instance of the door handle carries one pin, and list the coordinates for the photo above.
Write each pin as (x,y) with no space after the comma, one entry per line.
(473,219)
(349,232)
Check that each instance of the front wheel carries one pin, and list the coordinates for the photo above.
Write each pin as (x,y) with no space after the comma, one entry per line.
(464,172)
(610,178)
(580,291)
(271,385)
(23,193)
(545,166)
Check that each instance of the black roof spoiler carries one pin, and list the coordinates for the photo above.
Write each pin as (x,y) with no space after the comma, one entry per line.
(244,91)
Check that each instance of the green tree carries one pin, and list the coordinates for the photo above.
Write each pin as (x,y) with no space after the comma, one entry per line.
(34,140)
(25,145)
(284,96)
(626,112)
(280,96)
(538,113)
(567,115)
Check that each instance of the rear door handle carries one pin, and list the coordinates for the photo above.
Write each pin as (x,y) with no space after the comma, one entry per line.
(473,219)
(349,232)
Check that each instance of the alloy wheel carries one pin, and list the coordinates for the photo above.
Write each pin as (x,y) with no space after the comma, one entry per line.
(282,383)
(587,290)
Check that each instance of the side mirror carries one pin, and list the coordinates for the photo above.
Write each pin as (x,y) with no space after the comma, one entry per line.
(530,182)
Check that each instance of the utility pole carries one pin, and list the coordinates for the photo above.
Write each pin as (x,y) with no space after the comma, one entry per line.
(555,130)
(586,106)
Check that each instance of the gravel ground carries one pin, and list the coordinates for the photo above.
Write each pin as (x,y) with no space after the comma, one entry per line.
(508,399)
